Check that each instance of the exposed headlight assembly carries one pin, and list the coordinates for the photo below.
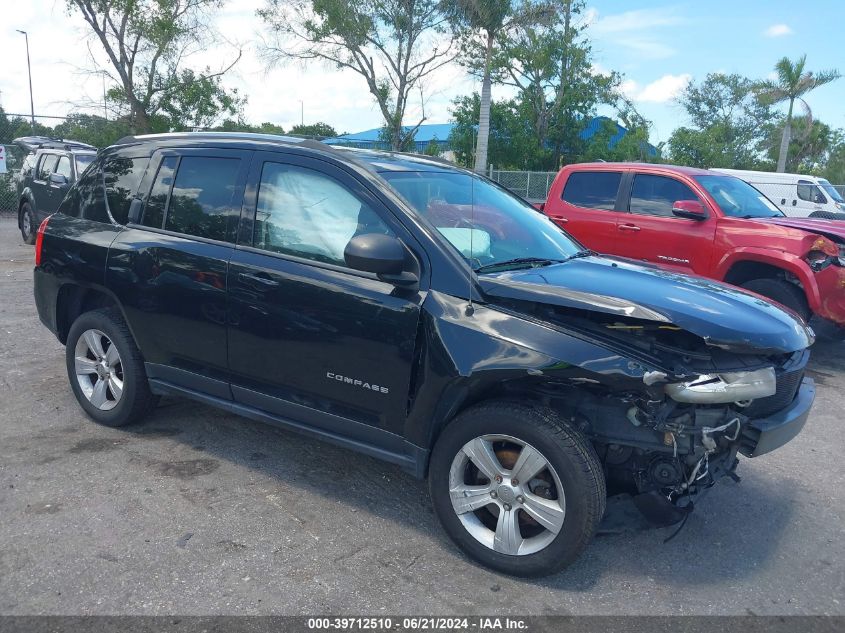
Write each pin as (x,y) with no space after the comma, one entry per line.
(725,387)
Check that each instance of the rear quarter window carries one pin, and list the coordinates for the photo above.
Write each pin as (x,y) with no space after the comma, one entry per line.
(122,177)
(86,200)
(592,189)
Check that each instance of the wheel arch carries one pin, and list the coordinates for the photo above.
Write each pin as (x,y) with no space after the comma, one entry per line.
(743,265)
(75,299)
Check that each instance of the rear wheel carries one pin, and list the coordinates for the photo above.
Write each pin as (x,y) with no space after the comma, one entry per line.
(785,293)
(516,488)
(29,224)
(105,369)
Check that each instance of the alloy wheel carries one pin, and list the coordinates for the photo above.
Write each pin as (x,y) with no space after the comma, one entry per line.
(99,370)
(507,495)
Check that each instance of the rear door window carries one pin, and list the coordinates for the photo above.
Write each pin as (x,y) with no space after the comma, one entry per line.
(63,167)
(593,189)
(47,166)
(201,198)
(157,202)
(121,177)
(655,195)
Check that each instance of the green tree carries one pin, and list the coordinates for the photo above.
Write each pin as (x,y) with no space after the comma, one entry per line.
(147,43)
(510,146)
(394,45)
(793,82)
(92,129)
(485,23)
(320,130)
(810,144)
(727,124)
(550,65)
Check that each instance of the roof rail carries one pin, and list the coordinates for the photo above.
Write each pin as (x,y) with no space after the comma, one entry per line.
(32,143)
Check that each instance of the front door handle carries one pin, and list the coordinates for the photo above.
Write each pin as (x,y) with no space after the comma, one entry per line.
(629,227)
(258,280)
(559,219)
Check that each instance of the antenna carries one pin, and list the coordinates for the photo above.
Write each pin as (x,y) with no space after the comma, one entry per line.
(471,310)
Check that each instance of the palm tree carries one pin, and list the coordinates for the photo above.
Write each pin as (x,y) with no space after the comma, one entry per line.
(793,82)
(491,20)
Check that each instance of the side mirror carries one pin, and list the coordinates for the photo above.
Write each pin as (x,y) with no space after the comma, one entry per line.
(58,179)
(381,254)
(820,199)
(689,209)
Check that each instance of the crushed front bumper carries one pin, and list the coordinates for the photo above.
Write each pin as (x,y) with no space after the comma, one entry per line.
(763,435)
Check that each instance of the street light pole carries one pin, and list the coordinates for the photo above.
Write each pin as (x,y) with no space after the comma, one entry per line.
(29,70)
(301,112)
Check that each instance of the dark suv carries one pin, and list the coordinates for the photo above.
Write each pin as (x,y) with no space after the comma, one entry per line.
(47,173)
(419,313)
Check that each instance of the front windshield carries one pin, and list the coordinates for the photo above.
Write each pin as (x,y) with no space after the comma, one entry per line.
(737,198)
(487,224)
(829,190)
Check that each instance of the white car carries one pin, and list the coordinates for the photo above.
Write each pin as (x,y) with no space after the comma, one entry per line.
(797,195)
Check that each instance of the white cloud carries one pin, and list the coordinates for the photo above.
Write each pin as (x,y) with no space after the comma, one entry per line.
(635,20)
(660,90)
(636,30)
(777,30)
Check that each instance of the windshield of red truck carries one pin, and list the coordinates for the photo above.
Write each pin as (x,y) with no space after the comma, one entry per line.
(737,198)
(485,222)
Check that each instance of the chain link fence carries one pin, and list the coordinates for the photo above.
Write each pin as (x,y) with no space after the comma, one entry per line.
(530,185)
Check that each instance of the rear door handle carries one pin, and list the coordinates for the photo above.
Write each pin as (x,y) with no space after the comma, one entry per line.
(258,280)
(560,219)
(629,227)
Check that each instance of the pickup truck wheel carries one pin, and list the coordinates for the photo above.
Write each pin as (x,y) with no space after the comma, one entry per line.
(106,370)
(783,292)
(517,488)
(29,225)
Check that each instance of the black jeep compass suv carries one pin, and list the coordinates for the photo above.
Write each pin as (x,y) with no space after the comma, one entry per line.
(417,312)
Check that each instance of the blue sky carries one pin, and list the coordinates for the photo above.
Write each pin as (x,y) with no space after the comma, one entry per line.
(659,45)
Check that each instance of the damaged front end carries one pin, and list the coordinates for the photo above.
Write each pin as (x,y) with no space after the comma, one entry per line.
(700,401)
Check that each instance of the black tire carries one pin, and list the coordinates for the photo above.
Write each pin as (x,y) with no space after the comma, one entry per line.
(136,400)
(827,215)
(28,224)
(565,449)
(787,294)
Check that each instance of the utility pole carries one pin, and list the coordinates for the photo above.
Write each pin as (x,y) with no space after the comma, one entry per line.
(29,70)
(301,112)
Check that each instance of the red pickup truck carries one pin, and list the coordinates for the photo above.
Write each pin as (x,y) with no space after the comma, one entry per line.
(705,223)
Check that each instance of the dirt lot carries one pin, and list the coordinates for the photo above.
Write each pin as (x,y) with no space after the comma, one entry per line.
(200,512)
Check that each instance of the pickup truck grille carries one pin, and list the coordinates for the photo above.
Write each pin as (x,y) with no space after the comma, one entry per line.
(788,381)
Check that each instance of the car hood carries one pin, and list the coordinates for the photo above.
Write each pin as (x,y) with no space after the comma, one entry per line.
(830,228)
(720,314)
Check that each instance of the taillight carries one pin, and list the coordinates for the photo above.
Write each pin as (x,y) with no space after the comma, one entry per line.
(39,240)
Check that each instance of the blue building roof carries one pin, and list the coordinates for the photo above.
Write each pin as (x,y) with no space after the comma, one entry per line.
(440,132)
(425,134)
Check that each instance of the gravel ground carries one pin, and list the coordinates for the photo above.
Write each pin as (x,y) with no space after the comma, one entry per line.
(200,512)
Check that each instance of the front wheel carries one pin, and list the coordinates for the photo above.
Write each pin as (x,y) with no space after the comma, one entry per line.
(28,223)
(106,370)
(517,488)
(785,293)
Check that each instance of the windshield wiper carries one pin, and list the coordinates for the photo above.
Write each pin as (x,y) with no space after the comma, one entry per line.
(527,262)
(585,253)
